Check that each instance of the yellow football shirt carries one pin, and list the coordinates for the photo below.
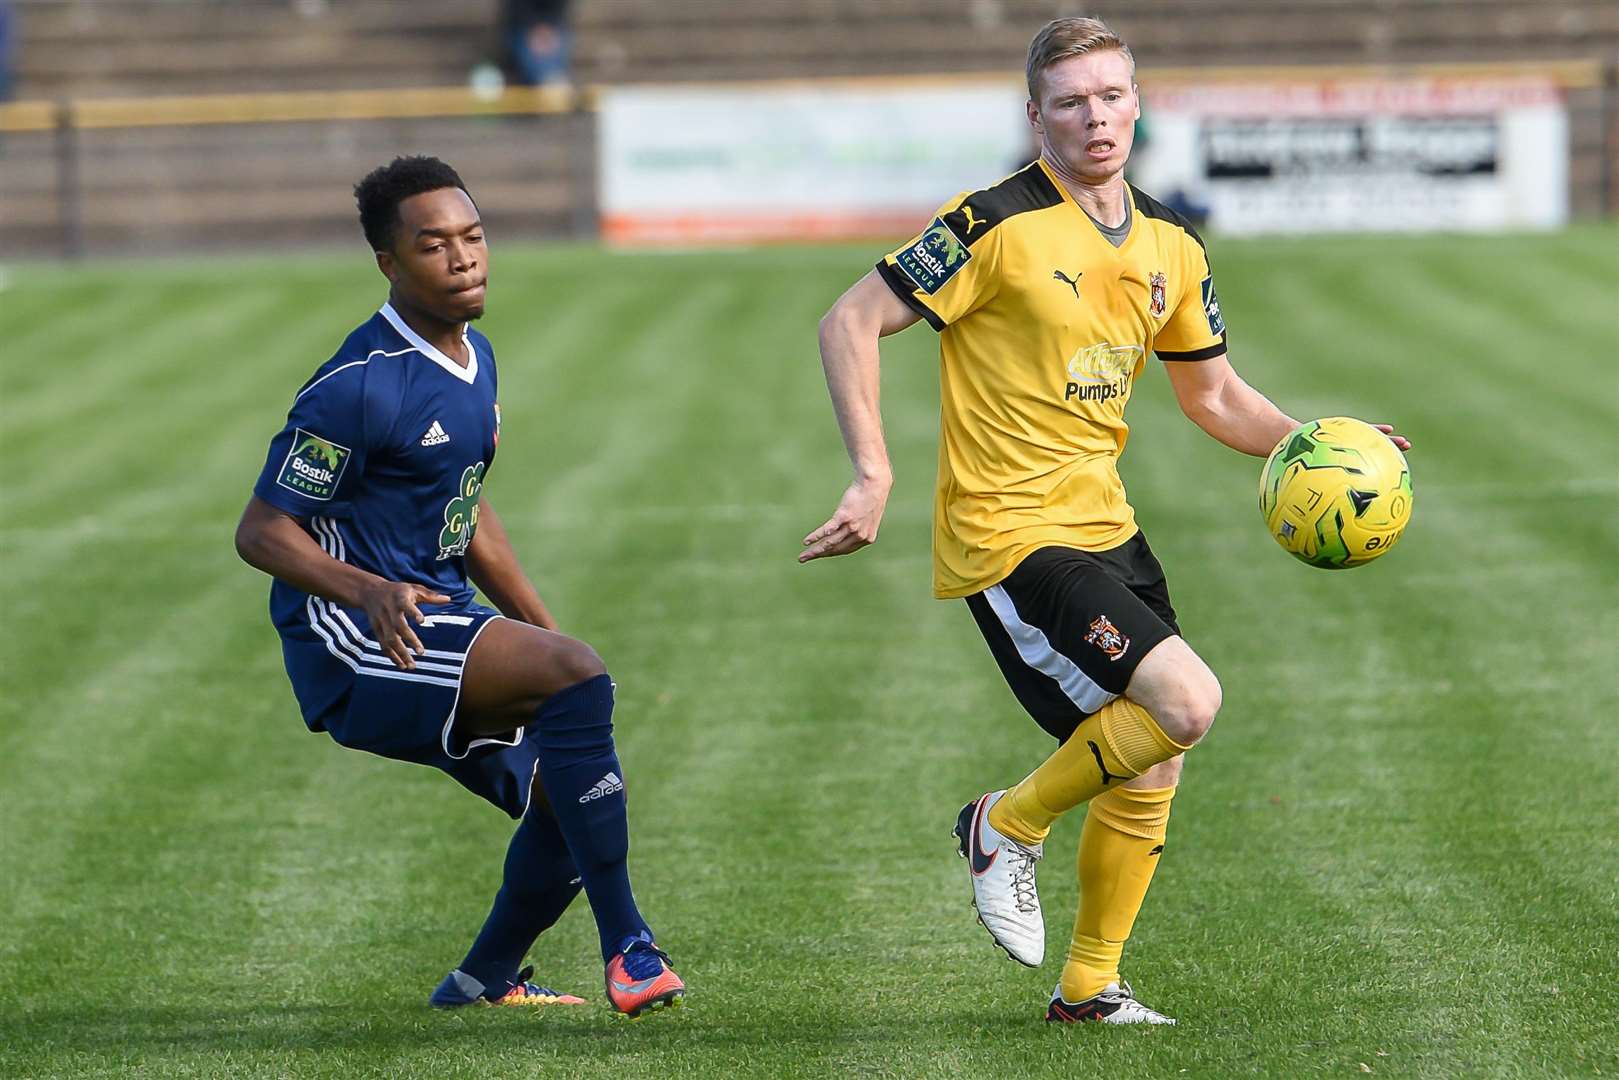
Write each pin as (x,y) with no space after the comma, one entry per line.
(1043,327)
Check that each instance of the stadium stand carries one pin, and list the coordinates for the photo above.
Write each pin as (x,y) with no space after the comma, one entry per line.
(274,182)
(104,47)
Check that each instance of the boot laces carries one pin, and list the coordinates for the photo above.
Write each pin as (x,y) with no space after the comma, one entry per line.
(643,960)
(1024,896)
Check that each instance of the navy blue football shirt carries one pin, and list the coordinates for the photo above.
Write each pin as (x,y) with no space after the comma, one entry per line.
(384,456)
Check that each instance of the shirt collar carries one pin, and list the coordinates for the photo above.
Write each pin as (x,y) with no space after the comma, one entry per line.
(466,374)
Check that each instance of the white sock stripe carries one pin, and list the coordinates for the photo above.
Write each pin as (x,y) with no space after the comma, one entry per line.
(1035,649)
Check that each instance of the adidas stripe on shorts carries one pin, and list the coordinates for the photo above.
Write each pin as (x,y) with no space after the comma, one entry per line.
(347,687)
(1068,627)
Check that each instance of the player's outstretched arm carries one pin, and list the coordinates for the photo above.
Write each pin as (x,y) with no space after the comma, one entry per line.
(849,357)
(493,567)
(1215,398)
(273,541)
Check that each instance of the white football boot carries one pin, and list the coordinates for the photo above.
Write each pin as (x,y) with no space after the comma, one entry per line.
(1002,872)
(1116,1004)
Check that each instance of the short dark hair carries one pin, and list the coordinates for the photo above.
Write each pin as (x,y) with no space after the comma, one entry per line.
(1060,39)
(384,188)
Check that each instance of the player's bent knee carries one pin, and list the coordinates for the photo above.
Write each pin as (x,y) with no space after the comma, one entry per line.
(1203,703)
(577,662)
(1177,690)
(1185,709)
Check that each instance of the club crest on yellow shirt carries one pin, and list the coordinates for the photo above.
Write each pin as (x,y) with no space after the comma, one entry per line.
(1159,285)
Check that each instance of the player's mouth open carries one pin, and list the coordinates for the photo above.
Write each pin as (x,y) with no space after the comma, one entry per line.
(1099,147)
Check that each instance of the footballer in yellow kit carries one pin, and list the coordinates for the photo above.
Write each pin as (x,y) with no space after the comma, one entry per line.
(1049,289)
(1044,325)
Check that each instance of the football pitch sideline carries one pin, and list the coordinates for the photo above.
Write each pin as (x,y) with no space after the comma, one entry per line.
(1396,853)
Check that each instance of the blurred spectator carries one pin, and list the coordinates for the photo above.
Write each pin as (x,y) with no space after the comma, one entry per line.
(8,27)
(538,40)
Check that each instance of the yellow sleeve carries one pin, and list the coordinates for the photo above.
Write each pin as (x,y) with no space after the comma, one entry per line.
(941,276)
(1195,330)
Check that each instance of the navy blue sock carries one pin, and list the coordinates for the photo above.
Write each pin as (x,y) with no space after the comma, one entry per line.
(540,882)
(574,732)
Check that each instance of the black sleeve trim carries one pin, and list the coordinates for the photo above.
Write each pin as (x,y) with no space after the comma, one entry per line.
(980,213)
(905,289)
(1148,206)
(1206,353)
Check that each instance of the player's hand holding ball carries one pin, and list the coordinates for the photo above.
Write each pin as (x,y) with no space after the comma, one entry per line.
(1336,493)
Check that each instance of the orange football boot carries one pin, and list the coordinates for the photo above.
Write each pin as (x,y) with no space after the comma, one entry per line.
(639,979)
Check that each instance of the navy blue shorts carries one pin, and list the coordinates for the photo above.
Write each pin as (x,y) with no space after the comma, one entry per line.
(347,687)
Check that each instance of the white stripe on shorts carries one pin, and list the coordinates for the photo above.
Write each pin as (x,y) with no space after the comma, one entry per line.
(338,631)
(331,542)
(370,653)
(395,673)
(1035,649)
(329,622)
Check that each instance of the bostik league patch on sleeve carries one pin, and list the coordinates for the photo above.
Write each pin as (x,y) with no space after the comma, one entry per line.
(935,258)
(1211,307)
(314,466)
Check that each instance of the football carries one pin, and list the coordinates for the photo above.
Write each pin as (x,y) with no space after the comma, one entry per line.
(1335,493)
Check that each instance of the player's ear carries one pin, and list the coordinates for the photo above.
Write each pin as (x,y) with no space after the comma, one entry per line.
(385,263)
(1032,109)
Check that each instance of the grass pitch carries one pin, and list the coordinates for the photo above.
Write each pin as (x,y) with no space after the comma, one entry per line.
(1395,854)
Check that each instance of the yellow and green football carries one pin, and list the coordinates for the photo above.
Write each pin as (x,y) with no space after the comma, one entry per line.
(1335,493)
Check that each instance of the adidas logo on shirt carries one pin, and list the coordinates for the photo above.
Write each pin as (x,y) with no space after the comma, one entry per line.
(436,435)
(603,788)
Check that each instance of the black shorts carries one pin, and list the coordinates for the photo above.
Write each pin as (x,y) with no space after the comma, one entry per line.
(1068,627)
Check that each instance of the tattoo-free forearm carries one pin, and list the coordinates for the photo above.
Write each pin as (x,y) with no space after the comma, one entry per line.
(850,359)
(277,544)
(1243,418)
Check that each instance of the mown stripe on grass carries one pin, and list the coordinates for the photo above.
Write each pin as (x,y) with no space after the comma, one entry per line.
(97,736)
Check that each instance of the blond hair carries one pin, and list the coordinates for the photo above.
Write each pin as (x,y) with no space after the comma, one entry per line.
(1060,39)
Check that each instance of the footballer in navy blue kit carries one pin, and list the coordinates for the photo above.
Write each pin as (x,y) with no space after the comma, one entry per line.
(370,516)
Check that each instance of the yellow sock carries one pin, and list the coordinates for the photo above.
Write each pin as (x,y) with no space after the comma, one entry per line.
(1118,852)
(1116,744)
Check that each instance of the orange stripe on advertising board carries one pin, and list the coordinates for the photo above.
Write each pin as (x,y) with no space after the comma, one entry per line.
(656,229)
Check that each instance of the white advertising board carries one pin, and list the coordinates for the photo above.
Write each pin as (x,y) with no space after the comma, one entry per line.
(1360,155)
(717,164)
(760,162)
